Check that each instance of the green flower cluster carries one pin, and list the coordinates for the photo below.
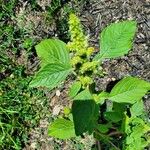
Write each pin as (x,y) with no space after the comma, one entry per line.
(82,52)
(89,66)
(79,42)
(85,80)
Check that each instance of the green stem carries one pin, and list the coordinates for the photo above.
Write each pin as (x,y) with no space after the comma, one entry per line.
(112,144)
(99,145)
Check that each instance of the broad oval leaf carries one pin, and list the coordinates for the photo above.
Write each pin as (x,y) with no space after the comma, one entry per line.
(85,113)
(85,116)
(51,51)
(62,129)
(50,75)
(129,90)
(116,40)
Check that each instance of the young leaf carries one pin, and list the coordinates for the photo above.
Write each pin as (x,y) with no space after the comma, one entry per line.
(62,129)
(52,51)
(74,89)
(137,109)
(85,115)
(113,116)
(103,128)
(116,40)
(137,136)
(119,107)
(50,75)
(129,90)
(100,98)
(84,95)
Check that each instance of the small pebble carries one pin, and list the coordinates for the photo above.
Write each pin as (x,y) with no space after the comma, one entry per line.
(58,93)
(113,79)
(56,110)
(34,145)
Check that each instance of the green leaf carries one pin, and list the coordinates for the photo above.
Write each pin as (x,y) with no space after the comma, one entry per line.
(50,75)
(62,129)
(137,109)
(129,90)
(137,138)
(119,107)
(84,95)
(75,88)
(100,99)
(85,116)
(113,116)
(104,128)
(85,112)
(55,63)
(116,40)
(52,51)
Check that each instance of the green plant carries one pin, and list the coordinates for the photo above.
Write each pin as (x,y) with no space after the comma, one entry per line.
(20,110)
(109,116)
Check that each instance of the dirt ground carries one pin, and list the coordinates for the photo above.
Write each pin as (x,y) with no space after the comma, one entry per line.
(95,15)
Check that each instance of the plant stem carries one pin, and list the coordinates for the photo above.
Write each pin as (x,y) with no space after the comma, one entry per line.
(114,133)
(112,144)
(99,145)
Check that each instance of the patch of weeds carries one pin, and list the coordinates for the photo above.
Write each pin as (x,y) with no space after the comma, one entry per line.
(20,110)
(12,32)
(55,6)
(75,144)
(7,8)
(33,4)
